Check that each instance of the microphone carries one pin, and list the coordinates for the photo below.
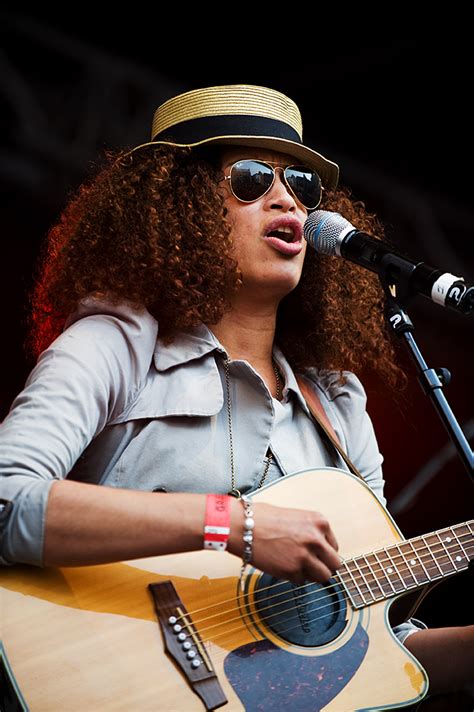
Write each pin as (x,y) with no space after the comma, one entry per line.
(331,234)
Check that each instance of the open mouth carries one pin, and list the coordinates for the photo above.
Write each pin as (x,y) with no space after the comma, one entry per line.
(283,233)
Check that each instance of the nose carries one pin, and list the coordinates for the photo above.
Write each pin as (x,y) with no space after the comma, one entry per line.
(280,195)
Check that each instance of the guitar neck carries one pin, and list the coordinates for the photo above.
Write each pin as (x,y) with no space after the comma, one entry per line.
(408,565)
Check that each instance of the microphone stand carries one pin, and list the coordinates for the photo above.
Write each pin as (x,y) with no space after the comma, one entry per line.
(394,275)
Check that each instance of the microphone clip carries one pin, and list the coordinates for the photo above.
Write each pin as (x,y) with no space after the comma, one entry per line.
(395,274)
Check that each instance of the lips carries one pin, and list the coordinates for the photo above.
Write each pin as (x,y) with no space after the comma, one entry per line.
(285,234)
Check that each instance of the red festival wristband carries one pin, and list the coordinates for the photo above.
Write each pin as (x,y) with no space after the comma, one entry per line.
(217,522)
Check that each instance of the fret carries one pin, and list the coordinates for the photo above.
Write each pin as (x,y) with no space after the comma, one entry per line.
(458,542)
(462,541)
(414,566)
(469,543)
(408,564)
(410,580)
(386,573)
(465,530)
(422,573)
(351,587)
(362,588)
(391,572)
(379,574)
(395,566)
(426,558)
(366,583)
(375,587)
(409,577)
(448,564)
(441,562)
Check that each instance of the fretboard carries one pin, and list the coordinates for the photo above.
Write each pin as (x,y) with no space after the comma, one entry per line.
(410,564)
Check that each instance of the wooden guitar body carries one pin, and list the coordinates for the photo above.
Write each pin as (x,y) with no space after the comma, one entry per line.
(87,638)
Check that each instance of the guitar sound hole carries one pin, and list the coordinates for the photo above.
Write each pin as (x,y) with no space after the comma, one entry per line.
(308,615)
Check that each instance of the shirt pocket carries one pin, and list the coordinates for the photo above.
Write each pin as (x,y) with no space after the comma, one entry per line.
(175,454)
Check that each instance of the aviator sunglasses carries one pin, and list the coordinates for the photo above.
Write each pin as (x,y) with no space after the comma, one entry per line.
(250,179)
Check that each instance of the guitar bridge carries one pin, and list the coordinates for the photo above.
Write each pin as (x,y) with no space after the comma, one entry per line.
(184,645)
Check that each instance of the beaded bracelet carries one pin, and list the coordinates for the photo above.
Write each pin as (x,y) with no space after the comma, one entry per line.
(217,523)
(249,524)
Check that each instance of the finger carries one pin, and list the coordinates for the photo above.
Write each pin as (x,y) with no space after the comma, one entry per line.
(327,555)
(316,570)
(331,539)
(323,526)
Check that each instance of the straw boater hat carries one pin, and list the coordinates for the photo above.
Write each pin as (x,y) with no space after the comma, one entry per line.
(241,115)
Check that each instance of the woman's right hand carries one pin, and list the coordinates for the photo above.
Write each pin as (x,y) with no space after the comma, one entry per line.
(293,544)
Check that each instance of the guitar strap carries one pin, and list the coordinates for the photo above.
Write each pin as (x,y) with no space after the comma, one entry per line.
(317,411)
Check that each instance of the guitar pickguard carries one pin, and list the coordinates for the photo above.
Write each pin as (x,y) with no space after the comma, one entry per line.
(262,672)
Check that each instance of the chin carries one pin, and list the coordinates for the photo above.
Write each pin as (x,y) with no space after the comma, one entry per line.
(280,276)
(274,285)
(288,278)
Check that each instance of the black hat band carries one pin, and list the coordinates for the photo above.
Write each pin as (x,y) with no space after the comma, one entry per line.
(196,130)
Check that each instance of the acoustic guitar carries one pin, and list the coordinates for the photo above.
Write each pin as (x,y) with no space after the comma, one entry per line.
(188,632)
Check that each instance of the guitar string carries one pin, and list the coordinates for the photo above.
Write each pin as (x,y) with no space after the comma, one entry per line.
(292,599)
(238,629)
(351,586)
(359,577)
(243,616)
(216,656)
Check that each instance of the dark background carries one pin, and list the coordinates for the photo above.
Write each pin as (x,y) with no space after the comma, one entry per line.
(395,115)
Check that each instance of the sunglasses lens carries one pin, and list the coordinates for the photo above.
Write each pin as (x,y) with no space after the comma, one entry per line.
(305,184)
(250,179)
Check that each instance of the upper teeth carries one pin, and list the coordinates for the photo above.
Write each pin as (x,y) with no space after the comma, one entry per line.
(284,228)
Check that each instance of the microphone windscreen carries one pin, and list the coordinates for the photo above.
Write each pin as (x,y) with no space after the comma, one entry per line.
(324,229)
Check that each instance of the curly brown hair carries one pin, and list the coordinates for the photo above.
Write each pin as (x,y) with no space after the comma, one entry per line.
(151,229)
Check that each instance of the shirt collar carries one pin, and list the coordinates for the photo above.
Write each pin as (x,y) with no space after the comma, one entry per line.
(187,346)
(199,340)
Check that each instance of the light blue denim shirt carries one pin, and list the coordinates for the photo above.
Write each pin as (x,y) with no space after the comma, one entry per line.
(110,403)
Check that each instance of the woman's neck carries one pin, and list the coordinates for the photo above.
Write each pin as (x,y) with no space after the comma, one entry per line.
(249,337)
(247,334)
